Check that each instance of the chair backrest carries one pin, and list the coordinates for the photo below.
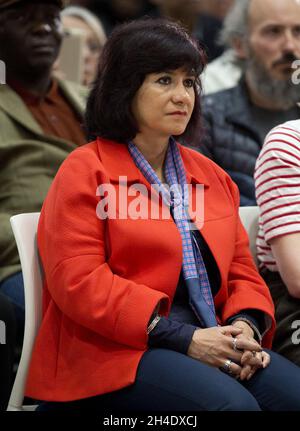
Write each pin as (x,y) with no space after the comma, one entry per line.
(24,227)
(249,217)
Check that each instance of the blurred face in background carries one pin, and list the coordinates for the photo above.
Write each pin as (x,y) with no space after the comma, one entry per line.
(274,35)
(30,37)
(92,46)
(271,46)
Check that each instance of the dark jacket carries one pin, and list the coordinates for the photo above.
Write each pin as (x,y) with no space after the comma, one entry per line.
(231,136)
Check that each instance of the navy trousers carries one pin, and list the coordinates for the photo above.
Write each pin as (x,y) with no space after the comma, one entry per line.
(167,380)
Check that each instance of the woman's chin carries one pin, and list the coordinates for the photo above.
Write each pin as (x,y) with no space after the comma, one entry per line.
(177,130)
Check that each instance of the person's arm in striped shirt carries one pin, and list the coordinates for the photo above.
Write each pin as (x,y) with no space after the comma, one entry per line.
(286,250)
(277,180)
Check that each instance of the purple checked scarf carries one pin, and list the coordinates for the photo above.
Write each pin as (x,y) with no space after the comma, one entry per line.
(176,197)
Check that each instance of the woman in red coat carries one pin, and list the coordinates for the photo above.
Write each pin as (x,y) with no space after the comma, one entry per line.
(151,297)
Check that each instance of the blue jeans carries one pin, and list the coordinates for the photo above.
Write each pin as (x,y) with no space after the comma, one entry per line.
(167,380)
(13,288)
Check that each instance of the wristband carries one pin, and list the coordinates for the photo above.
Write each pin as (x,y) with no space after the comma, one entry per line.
(153,323)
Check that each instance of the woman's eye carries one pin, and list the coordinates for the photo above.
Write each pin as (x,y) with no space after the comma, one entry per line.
(164,80)
(189,83)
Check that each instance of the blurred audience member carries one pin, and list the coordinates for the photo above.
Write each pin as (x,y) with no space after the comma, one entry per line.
(267,41)
(198,16)
(205,28)
(222,73)
(78,18)
(40,121)
(225,71)
(277,180)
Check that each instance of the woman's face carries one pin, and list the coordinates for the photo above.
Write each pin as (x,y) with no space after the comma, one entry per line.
(164,103)
(92,47)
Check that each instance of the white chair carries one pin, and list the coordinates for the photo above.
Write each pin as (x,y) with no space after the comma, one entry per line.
(24,227)
(249,217)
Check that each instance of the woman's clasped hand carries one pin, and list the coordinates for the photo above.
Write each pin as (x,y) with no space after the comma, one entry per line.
(229,348)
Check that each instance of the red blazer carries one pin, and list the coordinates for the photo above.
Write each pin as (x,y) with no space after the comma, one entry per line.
(104,278)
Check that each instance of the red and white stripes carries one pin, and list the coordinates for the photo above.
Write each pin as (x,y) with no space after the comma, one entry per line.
(277,182)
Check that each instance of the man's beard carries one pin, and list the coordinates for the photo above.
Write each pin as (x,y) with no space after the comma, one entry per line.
(283,93)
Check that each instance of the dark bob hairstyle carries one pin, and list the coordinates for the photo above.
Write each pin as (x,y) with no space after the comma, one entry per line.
(133,51)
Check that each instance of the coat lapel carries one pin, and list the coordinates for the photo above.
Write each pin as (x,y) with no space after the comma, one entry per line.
(13,105)
(117,160)
(76,94)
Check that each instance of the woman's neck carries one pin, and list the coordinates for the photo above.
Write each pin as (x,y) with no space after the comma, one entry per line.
(154,151)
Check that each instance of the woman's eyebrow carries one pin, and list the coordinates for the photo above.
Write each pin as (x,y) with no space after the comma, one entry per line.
(164,71)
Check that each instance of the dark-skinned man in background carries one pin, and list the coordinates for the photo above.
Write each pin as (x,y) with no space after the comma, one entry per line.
(40,123)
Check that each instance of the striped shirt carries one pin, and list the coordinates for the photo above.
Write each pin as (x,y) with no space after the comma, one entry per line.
(277,182)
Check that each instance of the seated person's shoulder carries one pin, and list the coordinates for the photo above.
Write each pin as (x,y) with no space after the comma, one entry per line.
(83,160)
(283,135)
(289,128)
(75,89)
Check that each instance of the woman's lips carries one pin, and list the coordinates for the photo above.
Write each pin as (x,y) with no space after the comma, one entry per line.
(183,113)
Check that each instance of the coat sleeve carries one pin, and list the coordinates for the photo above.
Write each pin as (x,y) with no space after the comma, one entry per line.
(246,288)
(73,247)
(8,248)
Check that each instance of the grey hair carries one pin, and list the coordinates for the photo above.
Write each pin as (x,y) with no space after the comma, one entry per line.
(235,24)
(89,18)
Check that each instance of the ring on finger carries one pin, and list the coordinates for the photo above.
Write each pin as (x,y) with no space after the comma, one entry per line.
(227,366)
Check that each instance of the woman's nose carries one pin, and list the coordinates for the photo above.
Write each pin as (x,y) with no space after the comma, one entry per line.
(180,94)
